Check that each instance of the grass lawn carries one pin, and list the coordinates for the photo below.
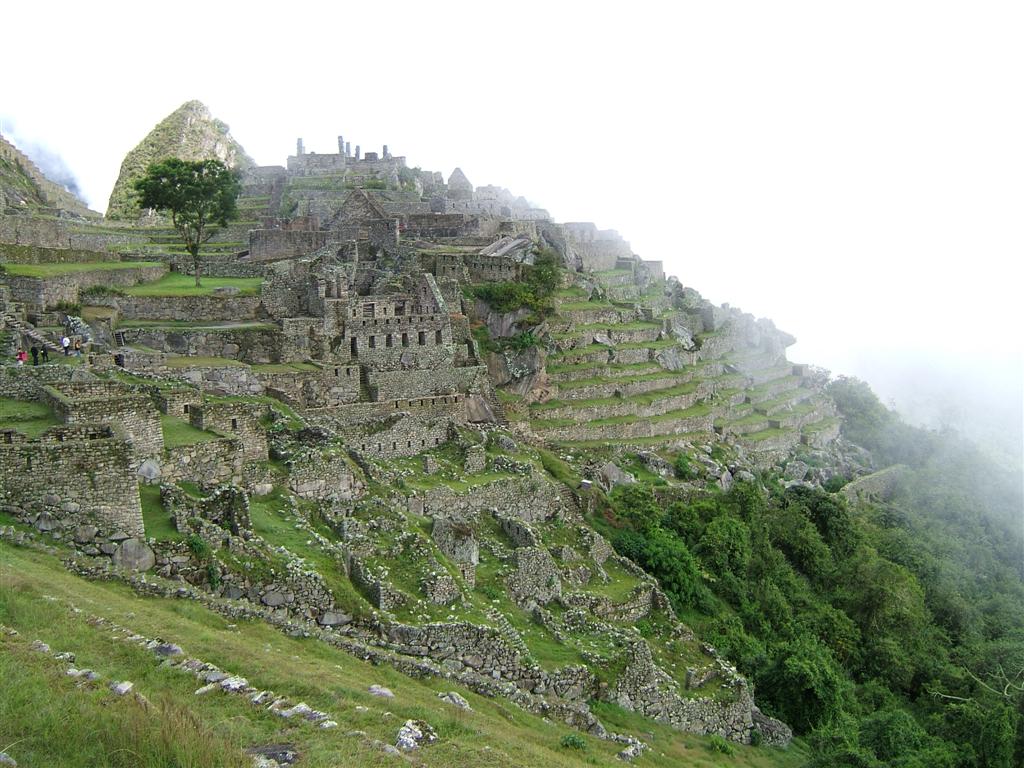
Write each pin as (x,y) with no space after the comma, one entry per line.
(201,362)
(46,718)
(155,518)
(30,418)
(285,367)
(52,270)
(178,432)
(177,284)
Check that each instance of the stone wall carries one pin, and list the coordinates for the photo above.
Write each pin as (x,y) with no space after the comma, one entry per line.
(50,233)
(249,345)
(401,434)
(209,463)
(530,499)
(238,420)
(392,385)
(187,308)
(109,403)
(47,292)
(270,244)
(324,475)
(72,476)
(878,485)
(35,254)
(331,386)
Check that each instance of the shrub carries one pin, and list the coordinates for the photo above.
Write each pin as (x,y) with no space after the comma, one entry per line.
(682,467)
(717,743)
(491,592)
(199,547)
(573,741)
(99,291)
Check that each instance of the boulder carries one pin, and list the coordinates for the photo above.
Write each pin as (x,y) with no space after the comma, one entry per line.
(135,555)
(334,619)
(150,470)
(85,533)
(611,475)
(796,470)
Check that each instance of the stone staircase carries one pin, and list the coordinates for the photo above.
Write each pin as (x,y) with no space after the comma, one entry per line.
(27,330)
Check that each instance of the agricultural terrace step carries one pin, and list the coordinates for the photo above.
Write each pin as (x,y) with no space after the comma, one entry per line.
(620,353)
(697,418)
(765,374)
(820,433)
(648,404)
(624,333)
(784,401)
(615,277)
(578,371)
(587,389)
(772,439)
(749,424)
(591,313)
(806,412)
(770,389)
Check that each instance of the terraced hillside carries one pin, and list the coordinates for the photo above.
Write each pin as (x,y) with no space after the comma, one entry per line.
(662,367)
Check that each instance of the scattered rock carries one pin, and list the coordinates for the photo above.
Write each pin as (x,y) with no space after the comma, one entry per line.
(632,752)
(122,688)
(150,470)
(39,645)
(414,734)
(135,555)
(334,619)
(7,760)
(273,599)
(167,650)
(796,470)
(612,475)
(454,699)
(302,708)
(234,684)
(85,533)
(281,754)
(262,489)
(380,690)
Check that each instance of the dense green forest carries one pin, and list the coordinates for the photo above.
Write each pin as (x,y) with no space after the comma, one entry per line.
(886,633)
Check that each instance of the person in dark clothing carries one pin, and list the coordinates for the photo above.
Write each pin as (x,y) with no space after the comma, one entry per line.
(35,354)
(46,355)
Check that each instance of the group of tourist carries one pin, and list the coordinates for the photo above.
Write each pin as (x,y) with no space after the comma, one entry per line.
(42,353)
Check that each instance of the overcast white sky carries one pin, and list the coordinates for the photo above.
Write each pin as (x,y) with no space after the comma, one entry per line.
(852,170)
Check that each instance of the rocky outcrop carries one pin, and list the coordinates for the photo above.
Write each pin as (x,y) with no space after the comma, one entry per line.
(191,133)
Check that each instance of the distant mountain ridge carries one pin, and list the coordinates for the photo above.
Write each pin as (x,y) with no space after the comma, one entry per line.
(190,132)
(24,187)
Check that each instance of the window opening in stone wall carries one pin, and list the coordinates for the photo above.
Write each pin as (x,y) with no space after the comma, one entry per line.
(234,424)
(337,372)
(186,408)
(423,338)
(373,342)
(405,339)
(437,337)
(367,310)
(354,347)
(389,340)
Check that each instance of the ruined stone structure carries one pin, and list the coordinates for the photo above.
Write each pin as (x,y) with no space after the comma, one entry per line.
(352,384)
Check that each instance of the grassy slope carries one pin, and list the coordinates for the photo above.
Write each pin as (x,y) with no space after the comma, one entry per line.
(177,284)
(52,270)
(81,727)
